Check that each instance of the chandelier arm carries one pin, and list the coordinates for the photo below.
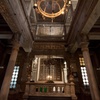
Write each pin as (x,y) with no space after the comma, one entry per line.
(53,15)
(58,5)
(45,9)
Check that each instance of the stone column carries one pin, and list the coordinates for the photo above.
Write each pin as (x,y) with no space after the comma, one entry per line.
(92,81)
(8,75)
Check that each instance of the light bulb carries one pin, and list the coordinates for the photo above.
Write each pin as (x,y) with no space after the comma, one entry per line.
(69,2)
(35,5)
(62,12)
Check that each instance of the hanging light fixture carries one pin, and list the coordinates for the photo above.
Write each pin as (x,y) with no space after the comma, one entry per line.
(49,62)
(51,8)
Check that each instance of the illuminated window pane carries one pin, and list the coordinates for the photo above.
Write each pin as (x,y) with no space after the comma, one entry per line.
(83,71)
(84,76)
(14,77)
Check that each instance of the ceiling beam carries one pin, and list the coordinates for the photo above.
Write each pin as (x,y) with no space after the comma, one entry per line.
(81,20)
(14,15)
(94,36)
(83,12)
(33,13)
(6,36)
(92,19)
(4,10)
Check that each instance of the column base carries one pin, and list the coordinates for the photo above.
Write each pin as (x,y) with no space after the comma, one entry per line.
(74,97)
(25,97)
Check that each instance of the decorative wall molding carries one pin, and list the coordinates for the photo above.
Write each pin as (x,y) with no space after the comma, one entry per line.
(48,46)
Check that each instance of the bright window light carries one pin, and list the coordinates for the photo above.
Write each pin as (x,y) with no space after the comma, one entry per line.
(84,72)
(14,77)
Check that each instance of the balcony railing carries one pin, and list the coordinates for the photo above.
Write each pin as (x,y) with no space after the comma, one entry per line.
(50,89)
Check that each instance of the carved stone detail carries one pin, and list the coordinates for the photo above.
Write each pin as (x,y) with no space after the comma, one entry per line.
(48,46)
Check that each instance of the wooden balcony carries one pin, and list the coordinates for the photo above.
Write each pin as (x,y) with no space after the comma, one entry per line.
(50,89)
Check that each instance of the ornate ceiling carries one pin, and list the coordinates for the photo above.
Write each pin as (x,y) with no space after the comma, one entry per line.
(21,17)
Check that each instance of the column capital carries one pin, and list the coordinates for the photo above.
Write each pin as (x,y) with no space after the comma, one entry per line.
(83,42)
(84,46)
(16,41)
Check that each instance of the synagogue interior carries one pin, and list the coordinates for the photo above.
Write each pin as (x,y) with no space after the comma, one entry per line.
(49,49)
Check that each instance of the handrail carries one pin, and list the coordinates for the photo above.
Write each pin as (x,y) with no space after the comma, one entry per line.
(50,89)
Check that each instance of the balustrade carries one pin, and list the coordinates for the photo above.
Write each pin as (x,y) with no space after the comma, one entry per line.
(50,89)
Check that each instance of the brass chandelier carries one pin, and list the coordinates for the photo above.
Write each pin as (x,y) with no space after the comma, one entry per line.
(57,9)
